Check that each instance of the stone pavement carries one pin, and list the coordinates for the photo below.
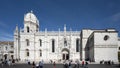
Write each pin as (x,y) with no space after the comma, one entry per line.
(60,66)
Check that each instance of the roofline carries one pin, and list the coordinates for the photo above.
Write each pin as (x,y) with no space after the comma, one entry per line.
(97,29)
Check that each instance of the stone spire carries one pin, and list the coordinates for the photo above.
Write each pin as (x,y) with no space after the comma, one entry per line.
(16,29)
(45,31)
(65,30)
(59,31)
(64,27)
(31,11)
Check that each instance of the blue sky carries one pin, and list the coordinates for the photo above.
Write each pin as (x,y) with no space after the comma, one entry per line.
(53,14)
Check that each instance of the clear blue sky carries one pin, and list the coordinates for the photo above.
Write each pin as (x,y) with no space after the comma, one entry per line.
(53,14)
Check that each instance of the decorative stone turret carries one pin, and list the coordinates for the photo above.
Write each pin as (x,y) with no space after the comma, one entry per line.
(31,23)
(16,43)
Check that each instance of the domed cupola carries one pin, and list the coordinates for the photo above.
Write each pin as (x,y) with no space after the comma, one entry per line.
(31,23)
(31,17)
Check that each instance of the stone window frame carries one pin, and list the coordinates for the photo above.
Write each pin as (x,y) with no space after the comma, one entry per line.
(28,29)
(53,45)
(27,52)
(77,45)
(106,37)
(40,42)
(27,42)
(40,51)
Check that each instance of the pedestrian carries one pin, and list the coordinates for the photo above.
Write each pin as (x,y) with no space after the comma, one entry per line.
(33,64)
(82,63)
(75,66)
(70,64)
(66,65)
(9,62)
(5,62)
(2,63)
(86,64)
(54,65)
(78,64)
(51,61)
(112,62)
(28,62)
(40,64)
(13,61)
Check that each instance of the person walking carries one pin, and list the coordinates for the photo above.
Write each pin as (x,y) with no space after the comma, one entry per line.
(33,64)
(54,65)
(70,64)
(82,63)
(13,61)
(40,64)
(9,62)
(75,66)
(86,64)
(78,64)
(2,63)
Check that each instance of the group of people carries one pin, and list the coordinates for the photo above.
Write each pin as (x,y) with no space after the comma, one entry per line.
(8,62)
(106,62)
(69,64)
(40,65)
(84,64)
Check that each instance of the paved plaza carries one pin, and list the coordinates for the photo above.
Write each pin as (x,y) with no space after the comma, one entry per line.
(60,66)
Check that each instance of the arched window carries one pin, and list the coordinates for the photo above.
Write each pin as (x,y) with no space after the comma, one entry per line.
(77,45)
(27,42)
(40,53)
(40,42)
(53,45)
(37,28)
(28,29)
(27,52)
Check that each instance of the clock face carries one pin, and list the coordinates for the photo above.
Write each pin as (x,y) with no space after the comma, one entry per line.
(106,37)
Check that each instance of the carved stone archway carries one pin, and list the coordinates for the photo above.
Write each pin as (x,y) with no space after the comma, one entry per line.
(65,54)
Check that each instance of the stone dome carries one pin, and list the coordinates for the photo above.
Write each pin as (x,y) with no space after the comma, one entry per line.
(30,17)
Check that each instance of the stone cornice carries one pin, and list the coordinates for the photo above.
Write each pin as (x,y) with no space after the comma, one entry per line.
(106,46)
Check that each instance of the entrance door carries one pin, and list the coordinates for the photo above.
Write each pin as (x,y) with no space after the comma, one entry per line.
(65,55)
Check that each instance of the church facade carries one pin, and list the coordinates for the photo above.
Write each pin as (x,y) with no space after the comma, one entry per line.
(32,44)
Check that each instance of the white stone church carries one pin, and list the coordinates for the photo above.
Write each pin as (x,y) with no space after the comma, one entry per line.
(94,45)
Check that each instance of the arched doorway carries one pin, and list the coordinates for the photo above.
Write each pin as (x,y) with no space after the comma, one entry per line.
(65,54)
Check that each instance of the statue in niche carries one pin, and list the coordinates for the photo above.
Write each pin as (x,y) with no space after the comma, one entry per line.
(65,42)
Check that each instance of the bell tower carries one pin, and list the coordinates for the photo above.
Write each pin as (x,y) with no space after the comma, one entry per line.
(31,23)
